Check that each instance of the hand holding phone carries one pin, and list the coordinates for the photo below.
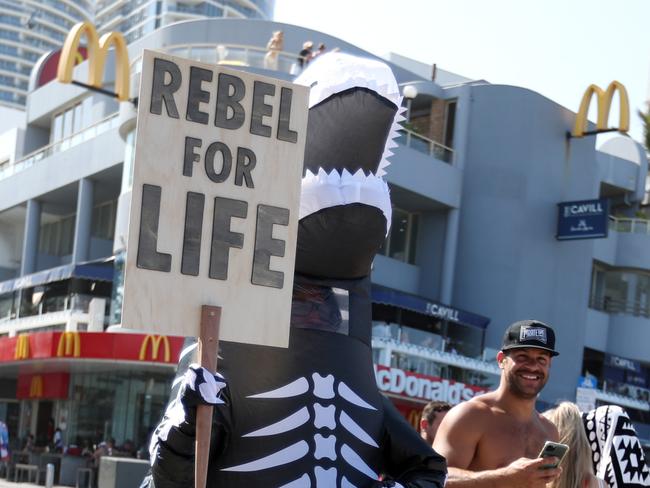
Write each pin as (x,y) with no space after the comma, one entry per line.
(553,449)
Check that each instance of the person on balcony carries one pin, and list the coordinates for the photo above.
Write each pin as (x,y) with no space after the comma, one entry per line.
(274,47)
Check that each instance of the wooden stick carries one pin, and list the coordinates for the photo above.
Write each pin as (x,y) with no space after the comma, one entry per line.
(208,350)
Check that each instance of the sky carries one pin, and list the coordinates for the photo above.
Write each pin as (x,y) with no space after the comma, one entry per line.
(554,47)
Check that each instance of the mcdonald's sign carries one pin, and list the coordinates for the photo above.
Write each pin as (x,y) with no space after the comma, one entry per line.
(36,387)
(69,345)
(22,347)
(97,51)
(604,101)
(155,346)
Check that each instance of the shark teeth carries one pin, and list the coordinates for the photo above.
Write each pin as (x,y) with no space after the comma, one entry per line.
(324,190)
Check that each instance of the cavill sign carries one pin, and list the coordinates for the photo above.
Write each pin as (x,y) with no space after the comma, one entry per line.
(583,219)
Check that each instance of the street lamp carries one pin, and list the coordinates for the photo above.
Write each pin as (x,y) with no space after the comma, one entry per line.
(409,92)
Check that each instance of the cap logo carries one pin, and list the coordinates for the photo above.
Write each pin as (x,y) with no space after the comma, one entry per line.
(532,333)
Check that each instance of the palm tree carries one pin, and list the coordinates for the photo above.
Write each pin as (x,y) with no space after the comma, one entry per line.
(645,117)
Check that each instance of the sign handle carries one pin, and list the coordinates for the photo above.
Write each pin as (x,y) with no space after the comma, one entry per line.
(208,350)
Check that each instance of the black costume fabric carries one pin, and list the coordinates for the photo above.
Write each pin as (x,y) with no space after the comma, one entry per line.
(311,415)
(617,453)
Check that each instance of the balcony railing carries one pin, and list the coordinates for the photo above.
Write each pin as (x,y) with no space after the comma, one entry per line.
(442,357)
(426,146)
(624,224)
(614,305)
(104,125)
(232,55)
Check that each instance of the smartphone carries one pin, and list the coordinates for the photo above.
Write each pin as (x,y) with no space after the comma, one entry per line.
(553,449)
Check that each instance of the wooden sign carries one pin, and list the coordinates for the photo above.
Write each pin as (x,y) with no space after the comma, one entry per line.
(214,211)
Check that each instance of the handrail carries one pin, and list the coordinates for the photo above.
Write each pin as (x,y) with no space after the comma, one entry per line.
(425,145)
(616,305)
(233,55)
(439,356)
(64,144)
(628,224)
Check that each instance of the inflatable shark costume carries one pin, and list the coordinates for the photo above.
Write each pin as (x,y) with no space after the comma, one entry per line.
(311,416)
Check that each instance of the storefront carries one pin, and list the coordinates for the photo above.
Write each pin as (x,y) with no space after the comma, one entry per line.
(92,386)
(409,391)
(424,350)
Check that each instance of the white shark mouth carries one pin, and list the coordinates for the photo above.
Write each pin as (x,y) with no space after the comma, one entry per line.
(324,190)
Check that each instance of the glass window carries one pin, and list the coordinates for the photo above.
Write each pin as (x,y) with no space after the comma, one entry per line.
(123,405)
(620,291)
(402,239)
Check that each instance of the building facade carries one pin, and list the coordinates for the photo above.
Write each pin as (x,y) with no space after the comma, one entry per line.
(475,183)
(29,29)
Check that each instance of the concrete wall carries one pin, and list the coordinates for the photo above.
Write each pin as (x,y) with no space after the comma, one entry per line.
(62,168)
(629,336)
(509,265)
(429,252)
(425,176)
(395,274)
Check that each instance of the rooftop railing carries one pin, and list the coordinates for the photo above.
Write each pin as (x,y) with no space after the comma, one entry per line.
(449,358)
(234,55)
(104,125)
(637,308)
(426,146)
(632,225)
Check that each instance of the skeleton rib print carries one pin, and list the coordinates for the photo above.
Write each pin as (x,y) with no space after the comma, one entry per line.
(326,419)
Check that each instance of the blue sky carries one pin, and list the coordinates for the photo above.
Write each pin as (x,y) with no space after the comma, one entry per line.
(555,47)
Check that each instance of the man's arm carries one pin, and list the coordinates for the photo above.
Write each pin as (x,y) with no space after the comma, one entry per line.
(458,439)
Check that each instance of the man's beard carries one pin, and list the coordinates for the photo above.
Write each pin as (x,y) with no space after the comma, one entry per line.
(517,388)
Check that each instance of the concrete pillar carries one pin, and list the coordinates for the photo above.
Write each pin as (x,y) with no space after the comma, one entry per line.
(461,134)
(30,240)
(81,247)
(449,253)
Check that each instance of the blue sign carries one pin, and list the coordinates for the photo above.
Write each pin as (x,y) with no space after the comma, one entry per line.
(584,219)
(421,305)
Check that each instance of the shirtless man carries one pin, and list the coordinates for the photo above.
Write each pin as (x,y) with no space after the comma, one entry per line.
(493,440)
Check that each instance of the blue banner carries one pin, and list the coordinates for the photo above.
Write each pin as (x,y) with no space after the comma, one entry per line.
(583,219)
(421,305)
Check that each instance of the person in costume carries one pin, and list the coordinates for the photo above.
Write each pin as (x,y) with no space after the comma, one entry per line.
(311,415)
(617,454)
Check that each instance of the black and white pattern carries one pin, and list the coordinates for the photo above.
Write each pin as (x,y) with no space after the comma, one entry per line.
(616,450)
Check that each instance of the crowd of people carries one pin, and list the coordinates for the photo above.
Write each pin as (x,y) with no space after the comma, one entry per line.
(495,439)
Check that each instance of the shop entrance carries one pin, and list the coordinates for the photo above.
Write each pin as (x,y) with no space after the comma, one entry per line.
(44,423)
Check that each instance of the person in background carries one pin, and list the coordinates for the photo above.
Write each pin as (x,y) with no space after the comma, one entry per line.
(432,415)
(617,454)
(320,50)
(493,439)
(274,46)
(28,446)
(577,471)
(58,440)
(305,55)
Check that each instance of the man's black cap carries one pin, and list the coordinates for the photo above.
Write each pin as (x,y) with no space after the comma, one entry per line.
(529,333)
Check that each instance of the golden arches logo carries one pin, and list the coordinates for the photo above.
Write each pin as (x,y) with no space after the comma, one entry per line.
(604,101)
(36,387)
(97,52)
(69,345)
(22,347)
(155,346)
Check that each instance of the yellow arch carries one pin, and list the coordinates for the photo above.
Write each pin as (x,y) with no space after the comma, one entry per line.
(97,52)
(604,104)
